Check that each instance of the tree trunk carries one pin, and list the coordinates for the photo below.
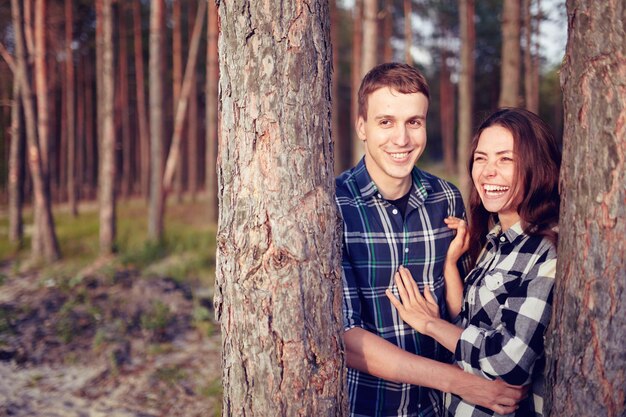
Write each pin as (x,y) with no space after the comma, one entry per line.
(370,35)
(41,89)
(466,93)
(90,128)
(335,117)
(181,108)
(144,139)
(106,179)
(211,112)
(279,285)
(177,81)
(70,106)
(531,59)
(192,125)
(16,167)
(586,372)
(357,55)
(46,244)
(408,31)
(510,67)
(446,112)
(387,29)
(155,209)
(124,114)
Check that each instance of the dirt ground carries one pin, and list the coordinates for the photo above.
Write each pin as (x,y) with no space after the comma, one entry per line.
(106,345)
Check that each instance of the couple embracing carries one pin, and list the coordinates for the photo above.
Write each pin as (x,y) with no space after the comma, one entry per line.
(442,317)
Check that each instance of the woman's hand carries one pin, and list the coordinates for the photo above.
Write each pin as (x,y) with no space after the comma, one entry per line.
(460,243)
(415,309)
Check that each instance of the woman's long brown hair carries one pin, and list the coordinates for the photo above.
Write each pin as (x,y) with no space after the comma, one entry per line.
(538,160)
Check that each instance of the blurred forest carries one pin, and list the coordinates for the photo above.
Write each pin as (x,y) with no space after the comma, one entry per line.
(108,148)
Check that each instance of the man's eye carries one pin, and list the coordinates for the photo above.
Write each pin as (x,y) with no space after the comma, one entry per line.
(415,123)
(385,122)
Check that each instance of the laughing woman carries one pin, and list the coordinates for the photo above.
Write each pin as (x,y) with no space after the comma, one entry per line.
(503,307)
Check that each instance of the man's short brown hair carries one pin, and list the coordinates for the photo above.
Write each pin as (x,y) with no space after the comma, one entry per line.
(401,77)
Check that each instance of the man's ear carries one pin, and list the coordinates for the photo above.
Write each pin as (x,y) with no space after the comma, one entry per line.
(359,125)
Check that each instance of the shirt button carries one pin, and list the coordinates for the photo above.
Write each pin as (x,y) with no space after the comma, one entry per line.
(394,211)
(502,239)
(379,196)
(406,250)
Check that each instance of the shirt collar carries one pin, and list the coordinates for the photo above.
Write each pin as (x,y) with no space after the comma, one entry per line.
(420,188)
(509,236)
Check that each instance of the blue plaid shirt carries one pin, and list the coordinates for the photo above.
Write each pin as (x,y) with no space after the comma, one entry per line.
(376,241)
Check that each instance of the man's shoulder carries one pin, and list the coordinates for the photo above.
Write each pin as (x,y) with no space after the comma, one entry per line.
(437,184)
(345,183)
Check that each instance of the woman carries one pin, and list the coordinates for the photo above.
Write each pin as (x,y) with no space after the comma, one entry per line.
(503,310)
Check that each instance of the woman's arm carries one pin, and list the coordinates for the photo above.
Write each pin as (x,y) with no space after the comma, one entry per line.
(452,277)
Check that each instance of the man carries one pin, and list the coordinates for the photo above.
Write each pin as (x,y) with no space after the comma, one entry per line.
(393,216)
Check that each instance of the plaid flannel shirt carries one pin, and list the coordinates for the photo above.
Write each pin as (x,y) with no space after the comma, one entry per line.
(376,241)
(506,309)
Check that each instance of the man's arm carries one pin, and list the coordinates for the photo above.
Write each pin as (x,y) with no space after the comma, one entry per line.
(372,354)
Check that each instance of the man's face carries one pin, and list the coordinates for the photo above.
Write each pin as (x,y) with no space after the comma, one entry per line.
(394,135)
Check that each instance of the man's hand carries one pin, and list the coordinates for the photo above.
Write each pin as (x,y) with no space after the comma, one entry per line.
(495,395)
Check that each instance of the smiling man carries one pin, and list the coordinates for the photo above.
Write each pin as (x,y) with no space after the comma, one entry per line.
(393,215)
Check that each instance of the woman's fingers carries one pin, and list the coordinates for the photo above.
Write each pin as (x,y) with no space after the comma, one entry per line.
(405,296)
(394,300)
(428,296)
(409,284)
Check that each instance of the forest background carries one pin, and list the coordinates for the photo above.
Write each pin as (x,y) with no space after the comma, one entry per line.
(108,189)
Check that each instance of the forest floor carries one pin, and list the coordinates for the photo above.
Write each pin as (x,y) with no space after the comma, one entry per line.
(128,336)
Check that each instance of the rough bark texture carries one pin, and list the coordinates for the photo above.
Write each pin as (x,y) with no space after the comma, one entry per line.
(587,360)
(211,112)
(466,92)
(278,286)
(511,64)
(106,177)
(155,207)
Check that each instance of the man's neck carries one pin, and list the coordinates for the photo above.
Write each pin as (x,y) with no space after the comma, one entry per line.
(393,190)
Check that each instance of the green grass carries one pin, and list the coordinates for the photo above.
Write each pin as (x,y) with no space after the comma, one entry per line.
(187,252)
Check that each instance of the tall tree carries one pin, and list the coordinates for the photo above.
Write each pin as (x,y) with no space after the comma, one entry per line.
(177,82)
(210,182)
(511,64)
(408,31)
(106,177)
(586,373)
(16,167)
(356,75)
(370,35)
(466,92)
(173,155)
(278,256)
(155,208)
(45,243)
(446,112)
(70,97)
(123,114)
(192,125)
(531,58)
(142,119)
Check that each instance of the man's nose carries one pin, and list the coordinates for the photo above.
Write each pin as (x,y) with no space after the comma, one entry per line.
(401,137)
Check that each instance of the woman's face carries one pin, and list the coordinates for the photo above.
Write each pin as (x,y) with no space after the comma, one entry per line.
(493,173)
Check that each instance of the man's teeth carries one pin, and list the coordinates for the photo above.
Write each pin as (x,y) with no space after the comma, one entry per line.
(495,188)
(399,155)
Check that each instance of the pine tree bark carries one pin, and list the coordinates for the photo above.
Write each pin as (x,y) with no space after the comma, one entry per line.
(511,63)
(142,119)
(446,112)
(211,113)
(177,81)
(192,124)
(70,97)
(356,75)
(408,31)
(586,371)
(155,208)
(278,279)
(16,167)
(466,93)
(370,36)
(106,178)
(45,244)
(126,179)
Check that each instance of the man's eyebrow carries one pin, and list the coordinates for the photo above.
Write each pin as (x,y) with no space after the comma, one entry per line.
(390,116)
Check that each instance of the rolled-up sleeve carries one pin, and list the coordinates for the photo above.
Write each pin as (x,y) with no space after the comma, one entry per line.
(509,350)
